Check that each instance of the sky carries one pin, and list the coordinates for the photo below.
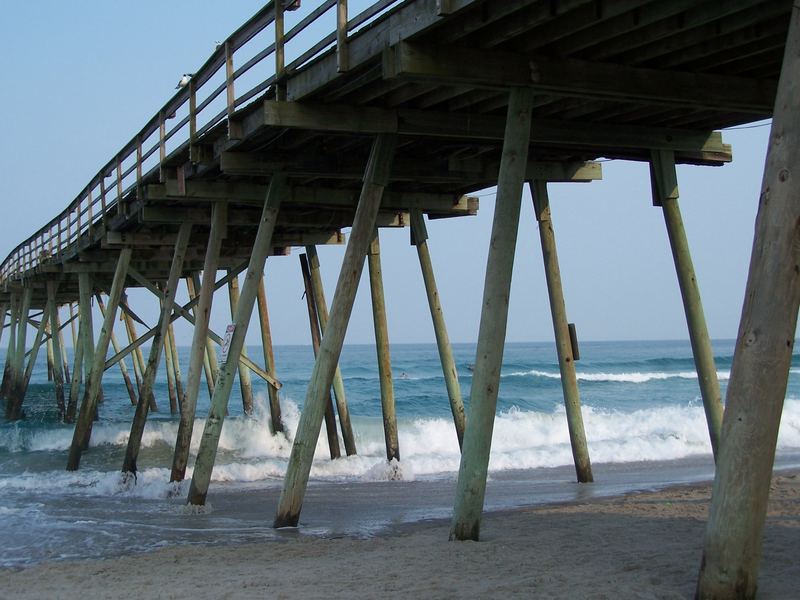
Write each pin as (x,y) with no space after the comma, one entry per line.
(79,79)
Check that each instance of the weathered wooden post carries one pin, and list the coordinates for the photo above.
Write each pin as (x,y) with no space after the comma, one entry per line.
(245,383)
(77,370)
(761,360)
(269,358)
(15,388)
(419,235)
(474,467)
(8,369)
(338,383)
(115,344)
(313,322)
(222,391)
(94,375)
(140,417)
(49,333)
(173,396)
(564,347)
(202,314)
(75,342)
(176,366)
(58,372)
(63,348)
(376,177)
(382,349)
(34,352)
(137,358)
(665,194)
(85,290)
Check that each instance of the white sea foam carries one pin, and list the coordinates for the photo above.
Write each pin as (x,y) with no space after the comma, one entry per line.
(635,377)
(429,449)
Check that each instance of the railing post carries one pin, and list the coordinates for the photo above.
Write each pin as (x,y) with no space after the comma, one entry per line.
(103,197)
(280,56)
(162,144)
(193,154)
(234,128)
(342,56)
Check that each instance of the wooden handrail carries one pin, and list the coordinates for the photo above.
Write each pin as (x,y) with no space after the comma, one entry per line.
(96,200)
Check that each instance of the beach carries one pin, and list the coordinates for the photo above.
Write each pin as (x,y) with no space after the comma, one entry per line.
(639,545)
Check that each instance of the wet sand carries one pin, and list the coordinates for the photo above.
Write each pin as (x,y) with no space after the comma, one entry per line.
(640,545)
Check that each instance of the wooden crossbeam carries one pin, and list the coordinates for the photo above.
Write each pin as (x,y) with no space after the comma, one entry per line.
(116,239)
(580,78)
(689,146)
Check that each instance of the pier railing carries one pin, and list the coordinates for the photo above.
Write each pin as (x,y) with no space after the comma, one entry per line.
(215,92)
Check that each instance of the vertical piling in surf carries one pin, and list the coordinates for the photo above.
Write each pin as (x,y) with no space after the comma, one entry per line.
(85,291)
(15,388)
(75,342)
(762,358)
(137,357)
(129,464)
(8,369)
(564,348)
(65,360)
(173,396)
(338,383)
(48,332)
(313,322)
(664,181)
(176,365)
(34,352)
(209,443)
(58,373)
(471,487)
(95,370)
(376,178)
(382,349)
(245,383)
(198,352)
(123,368)
(419,235)
(269,358)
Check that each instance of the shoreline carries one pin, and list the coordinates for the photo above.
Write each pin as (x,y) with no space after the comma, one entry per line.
(639,544)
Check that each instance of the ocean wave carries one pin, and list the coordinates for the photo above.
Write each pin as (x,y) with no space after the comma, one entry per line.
(522,439)
(633,377)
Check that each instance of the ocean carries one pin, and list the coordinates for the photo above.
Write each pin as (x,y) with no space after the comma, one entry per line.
(642,412)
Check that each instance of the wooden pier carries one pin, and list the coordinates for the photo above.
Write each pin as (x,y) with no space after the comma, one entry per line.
(398,115)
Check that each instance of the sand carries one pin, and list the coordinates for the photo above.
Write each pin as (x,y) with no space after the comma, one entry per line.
(642,545)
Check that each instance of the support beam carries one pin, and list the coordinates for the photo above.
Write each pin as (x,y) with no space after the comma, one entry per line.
(129,464)
(83,427)
(313,322)
(135,344)
(382,348)
(219,401)
(173,396)
(761,360)
(375,179)
(58,360)
(115,344)
(471,487)
(16,387)
(338,382)
(48,332)
(8,369)
(77,369)
(577,78)
(419,234)
(665,189)
(176,365)
(63,348)
(199,340)
(245,384)
(276,422)
(34,352)
(561,330)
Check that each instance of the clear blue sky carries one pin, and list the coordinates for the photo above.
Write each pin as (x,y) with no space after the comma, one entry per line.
(80,78)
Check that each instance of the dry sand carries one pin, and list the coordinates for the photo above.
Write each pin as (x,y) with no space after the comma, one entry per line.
(644,545)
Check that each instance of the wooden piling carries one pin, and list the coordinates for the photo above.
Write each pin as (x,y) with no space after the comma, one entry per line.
(313,321)
(762,357)
(176,365)
(58,373)
(94,376)
(85,291)
(49,333)
(245,383)
(210,367)
(8,369)
(558,312)
(219,401)
(34,352)
(419,234)
(173,396)
(75,340)
(140,417)
(382,349)
(16,392)
(202,314)
(115,344)
(375,179)
(269,358)
(665,190)
(63,348)
(338,382)
(471,486)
